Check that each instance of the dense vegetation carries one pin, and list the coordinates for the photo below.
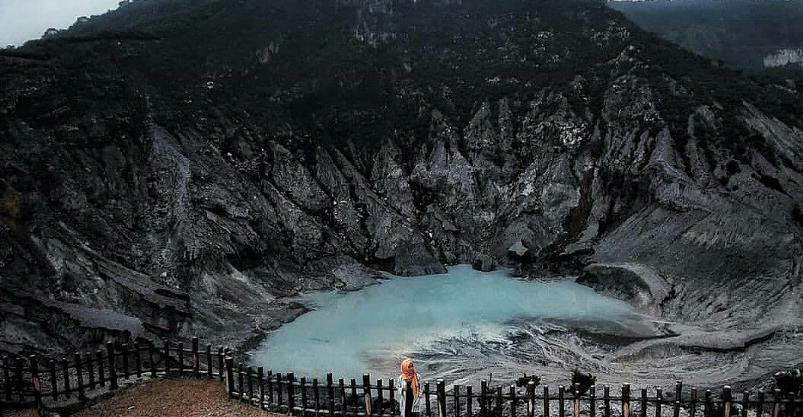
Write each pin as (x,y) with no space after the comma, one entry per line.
(281,60)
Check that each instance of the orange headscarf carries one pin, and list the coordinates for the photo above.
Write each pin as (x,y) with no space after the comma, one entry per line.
(408,374)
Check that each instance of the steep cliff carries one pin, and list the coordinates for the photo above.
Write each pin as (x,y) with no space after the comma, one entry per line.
(173,169)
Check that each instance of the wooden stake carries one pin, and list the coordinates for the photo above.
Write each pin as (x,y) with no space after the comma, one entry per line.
(260,379)
(79,372)
(138,360)
(126,373)
(101,374)
(53,380)
(112,366)
(90,368)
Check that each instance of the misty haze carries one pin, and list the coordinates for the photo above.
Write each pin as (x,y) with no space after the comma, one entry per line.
(24,20)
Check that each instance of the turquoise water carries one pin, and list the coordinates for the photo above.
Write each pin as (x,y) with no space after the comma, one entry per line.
(373,329)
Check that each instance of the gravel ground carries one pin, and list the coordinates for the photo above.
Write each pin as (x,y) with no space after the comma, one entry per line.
(173,397)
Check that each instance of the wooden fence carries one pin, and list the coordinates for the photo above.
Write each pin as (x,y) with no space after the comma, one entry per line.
(31,381)
(304,397)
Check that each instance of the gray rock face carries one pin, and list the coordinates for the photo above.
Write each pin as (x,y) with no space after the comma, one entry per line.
(484,263)
(188,218)
(636,284)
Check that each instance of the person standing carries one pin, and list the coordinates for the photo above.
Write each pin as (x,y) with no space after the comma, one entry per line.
(409,401)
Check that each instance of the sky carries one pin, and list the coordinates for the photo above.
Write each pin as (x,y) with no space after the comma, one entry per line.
(23,20)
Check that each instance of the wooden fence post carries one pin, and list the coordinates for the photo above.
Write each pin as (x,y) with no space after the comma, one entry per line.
(392,397)
(317,397)
(530,399)
(270,389)
(53,380)
(279,388)
(250,375)
(341,384)
(303,387)
(220,366)
(643,411)
(18,379)
(230,376)
(65,372)
(366,392)
(79,376)
(483,398)
(469,412)
(209,370)
(678,398)
(101,373)
(659,396)
(90,369)
(167,357)
(625,400)
(151,358)
(592,401)
(33,361)
(291,394)
(759,404)
(343,396)
(561,405)
(7,377)
(126,371)
(546,400)
(330,393)
(138,360)
(441,393)
(498,401)
(240,385)
(354,396)
(181,359)
(576,400)
(112,367)
(456,396)
(381,410)
(427,404)
(745,403)
(196,359)
(726,400)
(261,379)
(512,401)
(776,403)
(693,403)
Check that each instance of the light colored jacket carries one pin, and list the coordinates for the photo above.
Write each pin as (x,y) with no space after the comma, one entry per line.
(402,384)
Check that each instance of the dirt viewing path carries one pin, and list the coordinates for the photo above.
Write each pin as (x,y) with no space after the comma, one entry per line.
(167,398)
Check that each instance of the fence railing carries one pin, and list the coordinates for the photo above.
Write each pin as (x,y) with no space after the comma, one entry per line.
(304,397)
(34,380)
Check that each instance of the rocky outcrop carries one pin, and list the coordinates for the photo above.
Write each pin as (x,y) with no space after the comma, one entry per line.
(636,284)
(784,57)
(484,263)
